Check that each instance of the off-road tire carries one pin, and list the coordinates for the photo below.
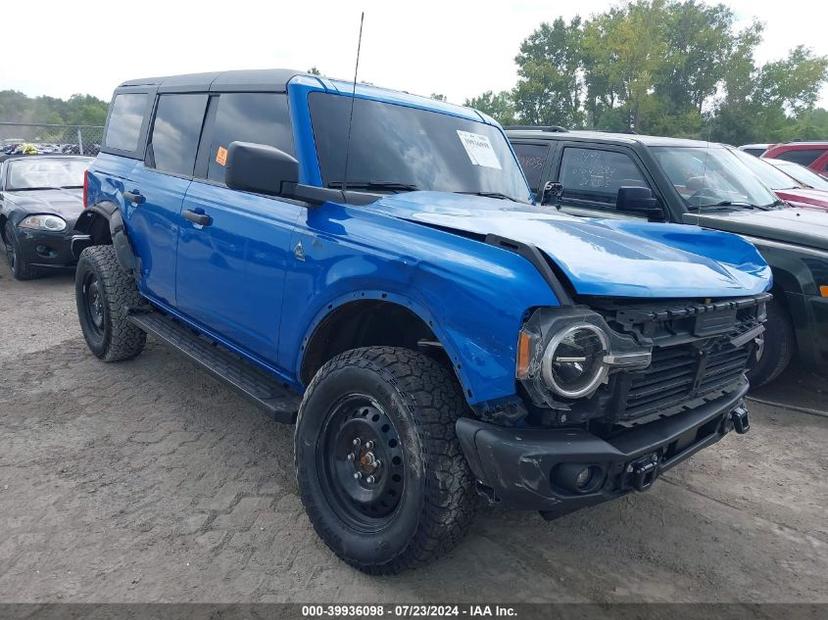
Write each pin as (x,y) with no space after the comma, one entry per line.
(19,268)
(779,348)
(423,400)
(116,338)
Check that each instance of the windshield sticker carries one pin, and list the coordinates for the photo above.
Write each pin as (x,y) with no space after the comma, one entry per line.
(221,156)
(479,149)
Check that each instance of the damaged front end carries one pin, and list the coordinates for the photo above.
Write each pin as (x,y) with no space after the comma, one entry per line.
(617,392)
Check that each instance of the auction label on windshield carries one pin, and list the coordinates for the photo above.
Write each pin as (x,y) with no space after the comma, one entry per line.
(479,149)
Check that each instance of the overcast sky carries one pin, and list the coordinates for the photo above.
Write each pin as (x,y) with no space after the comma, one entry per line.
(457,48)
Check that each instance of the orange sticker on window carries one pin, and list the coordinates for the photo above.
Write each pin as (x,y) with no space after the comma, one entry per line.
(221,156)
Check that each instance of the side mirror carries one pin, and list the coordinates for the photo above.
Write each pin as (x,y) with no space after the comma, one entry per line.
(260,168)
(638,200)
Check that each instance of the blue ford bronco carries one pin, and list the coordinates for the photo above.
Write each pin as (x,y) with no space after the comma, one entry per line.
(378,253)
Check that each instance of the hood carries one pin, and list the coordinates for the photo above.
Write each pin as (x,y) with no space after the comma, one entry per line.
(807,227)
(616,258)
(67,203)
(801,197)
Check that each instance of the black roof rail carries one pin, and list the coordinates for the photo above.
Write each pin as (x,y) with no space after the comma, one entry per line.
(549,128)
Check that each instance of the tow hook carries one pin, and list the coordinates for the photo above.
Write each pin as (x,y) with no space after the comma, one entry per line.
(740,419)
(644,472)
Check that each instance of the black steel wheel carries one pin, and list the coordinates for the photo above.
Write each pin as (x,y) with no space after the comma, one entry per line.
(379,467)
(362,464)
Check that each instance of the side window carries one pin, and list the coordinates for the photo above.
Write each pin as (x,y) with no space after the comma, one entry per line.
(802,157)
(532,157)
(595,175)
(125,121)
(248,117)
(175,133)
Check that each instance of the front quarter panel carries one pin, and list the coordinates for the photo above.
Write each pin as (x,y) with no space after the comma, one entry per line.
(474,296)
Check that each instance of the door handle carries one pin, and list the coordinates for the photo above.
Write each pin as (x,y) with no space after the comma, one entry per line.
(197,218)
(134,196)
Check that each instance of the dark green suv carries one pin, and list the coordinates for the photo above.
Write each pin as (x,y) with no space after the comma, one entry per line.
(596,174)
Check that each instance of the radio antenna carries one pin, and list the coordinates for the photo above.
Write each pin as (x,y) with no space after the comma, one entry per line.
(351,116)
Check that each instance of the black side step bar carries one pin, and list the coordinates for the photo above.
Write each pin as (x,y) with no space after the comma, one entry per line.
(265,390)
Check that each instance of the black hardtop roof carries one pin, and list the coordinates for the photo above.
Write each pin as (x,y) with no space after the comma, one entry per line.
(607,137)
(242,80)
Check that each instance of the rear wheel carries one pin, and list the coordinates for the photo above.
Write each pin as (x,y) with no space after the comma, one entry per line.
(778,348)
(104,293)
(380,470)
(17,263)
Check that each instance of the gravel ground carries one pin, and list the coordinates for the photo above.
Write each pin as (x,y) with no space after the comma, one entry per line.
(150,481)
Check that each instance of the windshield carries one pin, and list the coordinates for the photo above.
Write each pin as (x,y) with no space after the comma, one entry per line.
(398,148)
(712,176)
(46,173)
(800,173)
(770,176)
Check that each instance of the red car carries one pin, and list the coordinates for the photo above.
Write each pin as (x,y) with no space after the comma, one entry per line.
(784,186)
(813,155)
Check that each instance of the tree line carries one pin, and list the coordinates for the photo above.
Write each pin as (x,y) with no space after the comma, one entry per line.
(16,107)
(664,67)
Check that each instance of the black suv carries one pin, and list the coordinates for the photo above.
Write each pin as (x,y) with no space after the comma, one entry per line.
(597,174)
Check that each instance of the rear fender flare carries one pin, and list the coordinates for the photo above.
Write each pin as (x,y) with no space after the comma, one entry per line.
(113,233)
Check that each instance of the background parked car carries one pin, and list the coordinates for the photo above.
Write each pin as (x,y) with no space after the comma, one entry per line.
(755,149)
(814,155)
(40,199)
(695,182)
(804,176)
(784,186)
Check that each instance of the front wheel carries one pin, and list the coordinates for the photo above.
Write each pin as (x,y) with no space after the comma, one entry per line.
(778,347)
(14,256)
(104,293)
(379,467)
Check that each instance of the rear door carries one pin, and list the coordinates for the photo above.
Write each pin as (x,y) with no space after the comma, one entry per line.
(231,268)
(156,188)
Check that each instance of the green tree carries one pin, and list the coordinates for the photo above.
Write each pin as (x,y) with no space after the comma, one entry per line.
(549,90)
(499,106)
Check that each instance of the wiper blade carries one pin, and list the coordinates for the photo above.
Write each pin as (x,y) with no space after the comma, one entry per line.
(389,185)
(489,195)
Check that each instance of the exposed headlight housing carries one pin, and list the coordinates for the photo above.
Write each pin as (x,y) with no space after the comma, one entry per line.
(52,223)
(573,362)
(567,354)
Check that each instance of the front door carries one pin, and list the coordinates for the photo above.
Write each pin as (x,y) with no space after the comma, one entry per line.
(234,247)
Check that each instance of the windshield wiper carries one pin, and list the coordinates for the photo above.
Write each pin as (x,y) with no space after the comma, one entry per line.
(489,195)
(729,203)
(392,186)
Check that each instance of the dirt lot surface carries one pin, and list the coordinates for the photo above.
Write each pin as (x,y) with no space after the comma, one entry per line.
(150,481)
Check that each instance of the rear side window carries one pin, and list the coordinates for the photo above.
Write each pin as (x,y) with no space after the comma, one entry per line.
(175,133)
(532,157)
(125,121)
(802,157)
(591,174)
(261,118)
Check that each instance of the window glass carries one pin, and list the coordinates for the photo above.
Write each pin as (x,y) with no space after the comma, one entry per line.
(399,148)
(261,118)
(770,176)
(46,172)
(125,121)
(532,157)
(591,174)
(804,175)
(175,133)
(803,157)
(712,177)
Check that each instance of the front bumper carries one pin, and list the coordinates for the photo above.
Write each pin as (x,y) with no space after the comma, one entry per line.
(519,468)
(42,248)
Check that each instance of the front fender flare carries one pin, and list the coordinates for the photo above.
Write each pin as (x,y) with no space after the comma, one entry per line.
(452,348)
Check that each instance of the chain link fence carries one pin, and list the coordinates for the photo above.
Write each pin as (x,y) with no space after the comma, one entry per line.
(50,138)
